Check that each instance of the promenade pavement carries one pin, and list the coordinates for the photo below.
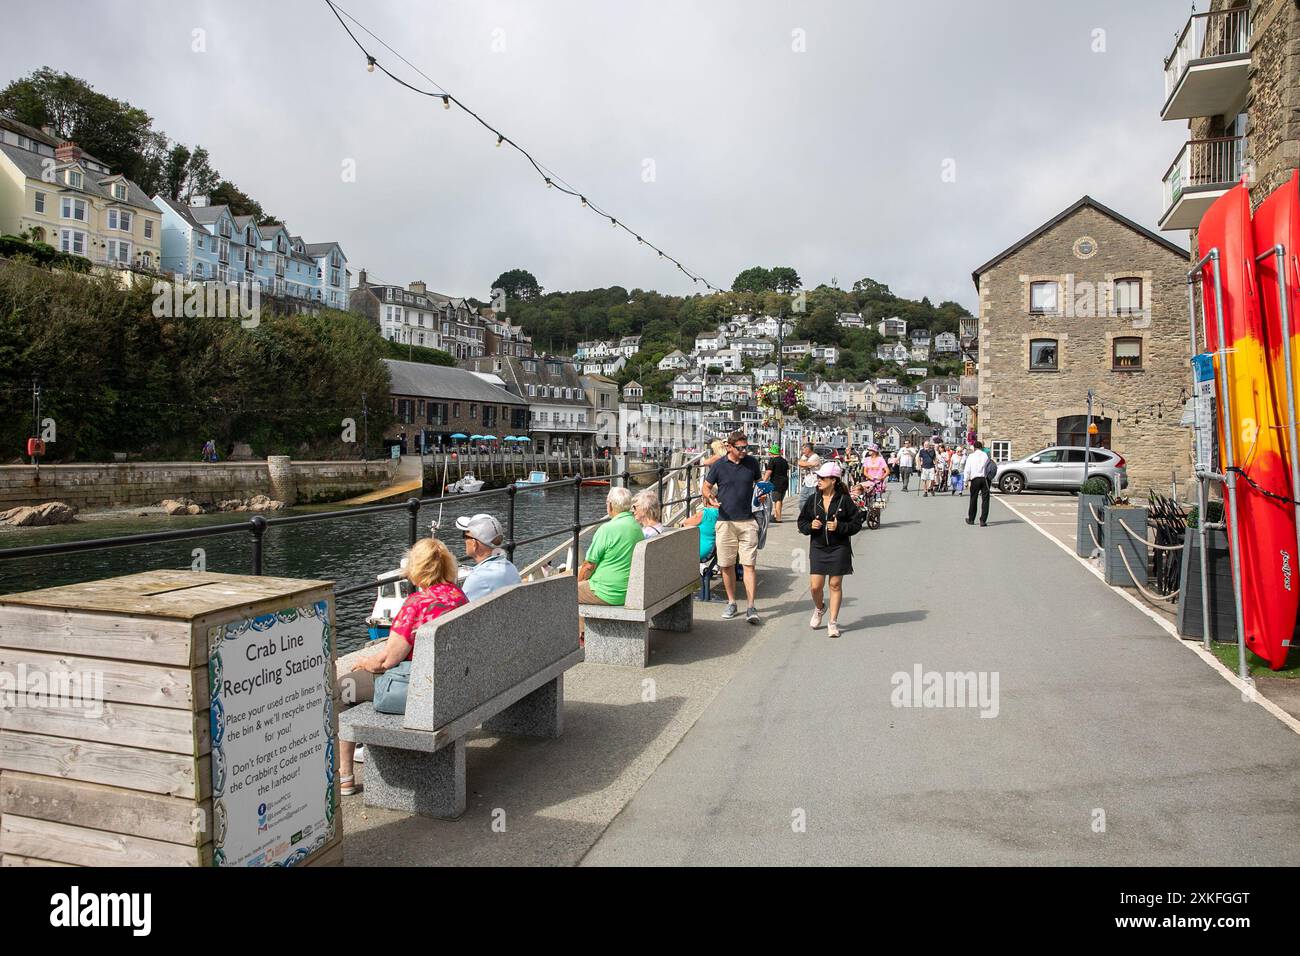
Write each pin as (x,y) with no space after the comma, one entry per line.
(778,745)
(1111,745)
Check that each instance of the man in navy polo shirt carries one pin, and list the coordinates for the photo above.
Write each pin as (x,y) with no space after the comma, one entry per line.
(731,480)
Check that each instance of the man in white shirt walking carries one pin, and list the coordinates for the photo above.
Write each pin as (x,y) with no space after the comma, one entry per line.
(977,483)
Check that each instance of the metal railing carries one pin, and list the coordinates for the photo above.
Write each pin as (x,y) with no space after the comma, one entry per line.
(1220,161)
(257,527)
(1217,33)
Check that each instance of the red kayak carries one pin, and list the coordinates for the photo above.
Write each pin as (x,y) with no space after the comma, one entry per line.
(1277,222)
(1266,527)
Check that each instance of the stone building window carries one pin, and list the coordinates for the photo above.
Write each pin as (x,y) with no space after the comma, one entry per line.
(1126,353)
(1128,296)
(1000,450)
(1043,298)
(1043,355)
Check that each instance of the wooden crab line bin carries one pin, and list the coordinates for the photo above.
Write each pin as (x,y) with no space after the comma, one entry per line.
(133,785)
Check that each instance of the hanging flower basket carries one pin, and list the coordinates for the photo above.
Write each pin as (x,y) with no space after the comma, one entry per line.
(784,397)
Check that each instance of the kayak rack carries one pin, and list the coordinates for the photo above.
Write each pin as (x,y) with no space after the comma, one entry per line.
(1205,473)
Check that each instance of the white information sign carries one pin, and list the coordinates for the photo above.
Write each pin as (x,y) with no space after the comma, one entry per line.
(1207,443)
(271,678)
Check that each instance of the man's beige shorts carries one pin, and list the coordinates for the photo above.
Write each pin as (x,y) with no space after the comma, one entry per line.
(737,538)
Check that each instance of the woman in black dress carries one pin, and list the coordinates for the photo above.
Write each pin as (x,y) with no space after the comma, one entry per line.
(778,473)
(830,519)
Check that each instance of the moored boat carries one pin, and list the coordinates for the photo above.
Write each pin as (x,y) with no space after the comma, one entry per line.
(534,479)
(465,485)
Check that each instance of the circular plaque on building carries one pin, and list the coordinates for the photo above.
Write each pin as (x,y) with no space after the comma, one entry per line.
(1085,247)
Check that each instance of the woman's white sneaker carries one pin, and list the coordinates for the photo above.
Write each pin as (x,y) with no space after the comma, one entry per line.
(816,620)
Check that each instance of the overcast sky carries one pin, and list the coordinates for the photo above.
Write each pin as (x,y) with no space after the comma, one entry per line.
(830,160)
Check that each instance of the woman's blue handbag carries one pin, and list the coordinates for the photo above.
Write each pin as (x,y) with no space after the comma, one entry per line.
(391,687)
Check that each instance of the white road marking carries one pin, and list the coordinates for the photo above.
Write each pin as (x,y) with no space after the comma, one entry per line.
(1169,628)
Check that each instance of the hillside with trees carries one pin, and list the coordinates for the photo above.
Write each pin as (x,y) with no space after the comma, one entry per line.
(115,378)
(123,137)
(558,321)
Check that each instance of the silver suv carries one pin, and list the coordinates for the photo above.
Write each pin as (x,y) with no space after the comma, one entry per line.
(1060,468)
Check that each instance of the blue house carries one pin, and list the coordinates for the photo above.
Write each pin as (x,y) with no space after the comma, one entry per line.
(205,243)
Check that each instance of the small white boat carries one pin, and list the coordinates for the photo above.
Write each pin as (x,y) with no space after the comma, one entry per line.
(534,479)
(393,590)
(465,486)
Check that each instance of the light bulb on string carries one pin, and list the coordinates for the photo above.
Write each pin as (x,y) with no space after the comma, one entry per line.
(500,140)
(446,102)
(584,200)
(370,64)
(549,184)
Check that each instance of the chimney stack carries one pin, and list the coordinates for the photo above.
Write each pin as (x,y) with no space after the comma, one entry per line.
(418,287)
(67,152)
(361,279)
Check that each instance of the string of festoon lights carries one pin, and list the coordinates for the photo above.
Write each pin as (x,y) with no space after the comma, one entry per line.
(1154,410)
(551,180)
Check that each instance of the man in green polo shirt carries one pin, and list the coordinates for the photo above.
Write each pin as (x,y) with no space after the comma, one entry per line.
(602,578)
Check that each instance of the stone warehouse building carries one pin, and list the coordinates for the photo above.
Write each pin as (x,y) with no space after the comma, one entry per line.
(1089,300)
(437,401)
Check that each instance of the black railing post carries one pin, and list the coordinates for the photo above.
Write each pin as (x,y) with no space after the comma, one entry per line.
(659,486)
(577,519)
(690,486)
(412,521)
(509,544)
(257,525)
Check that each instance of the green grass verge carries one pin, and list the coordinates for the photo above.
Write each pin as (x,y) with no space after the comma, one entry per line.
(1257,666)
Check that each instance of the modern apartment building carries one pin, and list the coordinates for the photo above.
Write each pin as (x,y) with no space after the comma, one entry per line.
(56,194)
(1234,77)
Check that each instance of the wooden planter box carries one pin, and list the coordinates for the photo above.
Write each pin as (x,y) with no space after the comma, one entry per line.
(134,773)
(1121,546)
(1083,545)
(1223,616)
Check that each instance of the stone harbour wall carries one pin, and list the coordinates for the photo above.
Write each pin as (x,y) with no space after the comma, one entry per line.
(130,484)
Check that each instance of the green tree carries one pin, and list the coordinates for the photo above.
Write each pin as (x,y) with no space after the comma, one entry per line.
(518,284)
(174,172)
(754,279)
(226,193)
(785,279)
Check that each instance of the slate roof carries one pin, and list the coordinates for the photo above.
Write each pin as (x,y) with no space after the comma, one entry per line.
(1066,214)
(31,165)
(444,381)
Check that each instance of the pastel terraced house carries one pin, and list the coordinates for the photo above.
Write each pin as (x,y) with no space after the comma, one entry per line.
(57,194)
(205,243)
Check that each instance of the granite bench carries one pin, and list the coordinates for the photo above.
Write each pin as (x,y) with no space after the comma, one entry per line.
(498,662)
(661,590)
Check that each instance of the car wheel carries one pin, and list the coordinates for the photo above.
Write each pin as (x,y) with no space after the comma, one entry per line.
(1012,484)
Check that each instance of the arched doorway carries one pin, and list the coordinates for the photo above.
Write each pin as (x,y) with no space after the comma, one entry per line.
(1072,429)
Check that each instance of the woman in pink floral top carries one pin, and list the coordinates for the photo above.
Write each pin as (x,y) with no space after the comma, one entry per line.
(432,569)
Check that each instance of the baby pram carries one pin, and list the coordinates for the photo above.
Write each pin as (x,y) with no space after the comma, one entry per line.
(871,496)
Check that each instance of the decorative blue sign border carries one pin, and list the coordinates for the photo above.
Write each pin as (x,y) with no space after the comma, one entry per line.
(218,638)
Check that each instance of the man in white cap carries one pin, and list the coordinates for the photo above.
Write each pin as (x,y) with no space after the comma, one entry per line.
(492,569)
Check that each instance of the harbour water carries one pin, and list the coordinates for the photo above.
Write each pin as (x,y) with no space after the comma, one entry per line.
(345,550)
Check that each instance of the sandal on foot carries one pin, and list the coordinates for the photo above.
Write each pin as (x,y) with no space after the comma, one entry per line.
(348,785)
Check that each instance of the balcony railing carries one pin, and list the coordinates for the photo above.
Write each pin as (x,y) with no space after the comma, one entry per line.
(1203,165)
(1207,36)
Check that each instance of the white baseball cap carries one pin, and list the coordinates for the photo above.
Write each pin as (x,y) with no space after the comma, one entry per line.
(482,528)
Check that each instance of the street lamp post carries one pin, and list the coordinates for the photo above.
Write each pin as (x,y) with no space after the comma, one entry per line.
(1087,438)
